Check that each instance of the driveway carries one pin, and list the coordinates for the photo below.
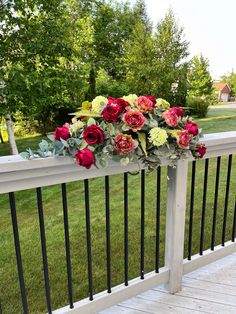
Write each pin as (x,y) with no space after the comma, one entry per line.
(231,105)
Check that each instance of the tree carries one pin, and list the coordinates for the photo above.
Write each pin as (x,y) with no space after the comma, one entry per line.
(139,60)
(42,58)
(171,51)
(199,78)
(230,79)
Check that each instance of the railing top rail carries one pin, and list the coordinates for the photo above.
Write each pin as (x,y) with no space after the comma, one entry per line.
(18,174)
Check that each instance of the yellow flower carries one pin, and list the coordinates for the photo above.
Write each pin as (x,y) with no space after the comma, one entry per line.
(174,133)
(163,103)
(158,136)
(76,125)
(98,103)
(131,98)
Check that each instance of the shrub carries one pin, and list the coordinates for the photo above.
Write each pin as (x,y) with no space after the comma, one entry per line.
(197,106)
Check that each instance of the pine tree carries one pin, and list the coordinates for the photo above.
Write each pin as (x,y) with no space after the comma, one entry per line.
(200,81)
(171,50)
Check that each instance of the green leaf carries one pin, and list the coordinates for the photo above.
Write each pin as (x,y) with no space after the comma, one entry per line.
(43,145)
(91,121)
(142,140)
(64,143)
(50,137)
(25,155)
(86,105)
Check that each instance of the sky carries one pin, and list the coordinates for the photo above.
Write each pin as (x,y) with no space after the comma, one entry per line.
(209,26)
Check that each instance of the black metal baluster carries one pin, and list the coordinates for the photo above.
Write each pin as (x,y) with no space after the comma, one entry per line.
(67,244)
(108,242)
(126,217)
(158,213)
(18,252)
(204,206)
(226,199)
(190,233)
(142,223)
(234,223)
(88,236)
(215,203)
(44,249)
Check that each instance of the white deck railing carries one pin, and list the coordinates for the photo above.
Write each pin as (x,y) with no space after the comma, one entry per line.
(17,174)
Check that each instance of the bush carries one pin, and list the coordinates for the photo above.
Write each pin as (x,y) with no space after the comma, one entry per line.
(197,106)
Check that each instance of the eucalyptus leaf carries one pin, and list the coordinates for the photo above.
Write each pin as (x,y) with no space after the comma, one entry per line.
(91,121)
(142,140)
(64,143)
(51,137)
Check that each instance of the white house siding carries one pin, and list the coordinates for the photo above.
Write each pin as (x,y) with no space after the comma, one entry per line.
(224,97)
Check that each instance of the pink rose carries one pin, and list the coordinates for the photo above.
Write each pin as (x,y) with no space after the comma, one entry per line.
(62,132)
(85,158)
(183,139)
(192,128)
(178,110)
(170,117)
(144,104)
(134,119)
(153,99)
(124,143)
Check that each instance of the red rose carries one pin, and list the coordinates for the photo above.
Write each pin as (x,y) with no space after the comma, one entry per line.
(124,143)
(183,139)
(153,99)
(93,134)
(62,132)
(192,128)
(85,158)
(111,113)
(120,102)
(170,117)
(134,119)
(200,150)
(178,110)
(144,104)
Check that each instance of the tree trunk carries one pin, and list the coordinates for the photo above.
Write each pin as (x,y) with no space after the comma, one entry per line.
(1,137)
(11,137)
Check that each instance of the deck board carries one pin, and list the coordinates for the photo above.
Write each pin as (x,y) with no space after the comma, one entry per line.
(210,289)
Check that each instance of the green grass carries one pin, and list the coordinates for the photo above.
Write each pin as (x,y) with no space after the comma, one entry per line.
(30,239)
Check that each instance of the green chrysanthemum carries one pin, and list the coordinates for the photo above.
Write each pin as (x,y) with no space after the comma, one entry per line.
(158,136)
(131,98)
(162,103)
(98,103)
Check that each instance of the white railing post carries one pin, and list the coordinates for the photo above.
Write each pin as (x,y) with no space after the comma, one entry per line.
(175,223)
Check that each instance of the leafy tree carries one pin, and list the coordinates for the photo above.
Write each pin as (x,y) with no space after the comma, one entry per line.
(139,58)
(230,79)
(200,81)
(171,50)
(41,58)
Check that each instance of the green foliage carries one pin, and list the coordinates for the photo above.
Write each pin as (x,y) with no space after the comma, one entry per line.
(230,79)
(200,81)
(107,86)
(156,63)
(197,106)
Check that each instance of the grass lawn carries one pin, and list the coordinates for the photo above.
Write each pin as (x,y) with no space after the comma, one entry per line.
(30,239)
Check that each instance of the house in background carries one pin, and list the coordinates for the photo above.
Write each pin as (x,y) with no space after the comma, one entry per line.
(222,90)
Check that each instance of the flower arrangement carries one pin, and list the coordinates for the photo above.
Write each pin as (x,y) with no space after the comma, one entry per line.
(128,129)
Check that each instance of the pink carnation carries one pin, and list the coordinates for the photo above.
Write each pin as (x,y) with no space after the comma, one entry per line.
(183,139)
(178,110)
(192,128)
(170,117)
(134,119)
(124,143)
(144,104)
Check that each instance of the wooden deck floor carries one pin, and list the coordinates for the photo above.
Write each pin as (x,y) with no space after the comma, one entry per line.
(210,289)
